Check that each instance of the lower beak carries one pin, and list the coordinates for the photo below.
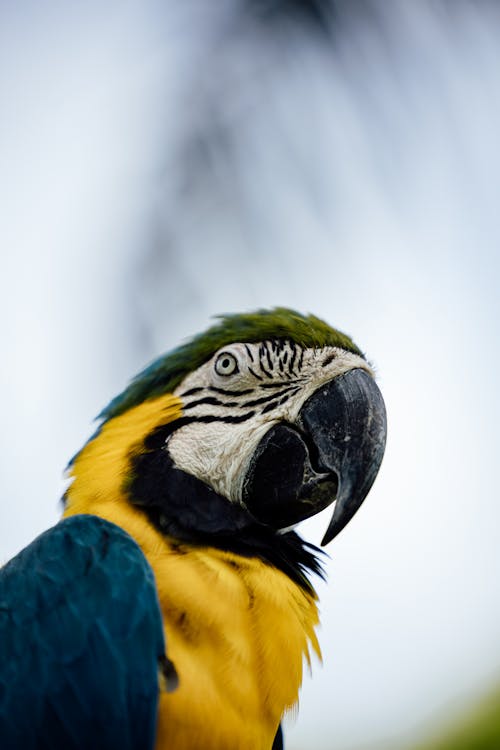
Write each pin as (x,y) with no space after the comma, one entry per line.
(334,452)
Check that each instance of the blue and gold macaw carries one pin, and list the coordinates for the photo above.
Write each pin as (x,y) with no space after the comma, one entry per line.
(172,608)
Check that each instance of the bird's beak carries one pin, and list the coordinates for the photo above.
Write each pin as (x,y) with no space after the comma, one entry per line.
(333,452)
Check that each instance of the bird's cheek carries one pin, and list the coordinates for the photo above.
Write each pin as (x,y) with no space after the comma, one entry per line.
(215,454)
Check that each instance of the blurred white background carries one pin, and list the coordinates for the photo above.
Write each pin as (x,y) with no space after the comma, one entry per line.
(161,163)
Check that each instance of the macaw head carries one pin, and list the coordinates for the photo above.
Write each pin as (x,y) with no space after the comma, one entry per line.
(270,416)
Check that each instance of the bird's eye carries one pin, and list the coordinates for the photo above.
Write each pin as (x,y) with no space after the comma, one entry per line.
(226,364)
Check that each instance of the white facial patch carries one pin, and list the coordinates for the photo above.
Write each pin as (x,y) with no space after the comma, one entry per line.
(237,396)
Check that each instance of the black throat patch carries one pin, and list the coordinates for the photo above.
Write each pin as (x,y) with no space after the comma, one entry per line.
(183,507)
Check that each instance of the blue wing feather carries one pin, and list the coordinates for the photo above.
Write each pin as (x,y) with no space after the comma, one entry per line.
(80,639)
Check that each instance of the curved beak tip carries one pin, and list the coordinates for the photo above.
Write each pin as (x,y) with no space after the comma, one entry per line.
(330,534)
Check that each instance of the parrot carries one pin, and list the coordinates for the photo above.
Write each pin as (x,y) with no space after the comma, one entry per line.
(172,606)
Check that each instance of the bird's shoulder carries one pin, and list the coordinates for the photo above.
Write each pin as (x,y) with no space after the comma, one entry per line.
(79,624)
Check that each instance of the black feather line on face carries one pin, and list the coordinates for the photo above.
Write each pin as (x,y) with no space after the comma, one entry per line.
(183,507)
(256,376)
(209,401)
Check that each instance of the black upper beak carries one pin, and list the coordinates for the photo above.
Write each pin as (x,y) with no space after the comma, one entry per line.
(346,421)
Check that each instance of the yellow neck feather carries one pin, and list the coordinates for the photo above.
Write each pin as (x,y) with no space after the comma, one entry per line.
(237,629)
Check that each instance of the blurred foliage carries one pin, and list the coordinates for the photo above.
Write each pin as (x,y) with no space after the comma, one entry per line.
(479,729)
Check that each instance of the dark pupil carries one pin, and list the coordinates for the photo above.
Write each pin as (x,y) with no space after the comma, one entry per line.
(226,362)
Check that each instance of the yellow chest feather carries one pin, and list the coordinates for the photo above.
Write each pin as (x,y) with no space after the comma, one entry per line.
(237,631)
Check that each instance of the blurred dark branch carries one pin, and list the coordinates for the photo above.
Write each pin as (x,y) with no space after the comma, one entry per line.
(317,13)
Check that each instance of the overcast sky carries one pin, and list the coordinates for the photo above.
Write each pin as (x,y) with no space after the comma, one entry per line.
(159,167)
